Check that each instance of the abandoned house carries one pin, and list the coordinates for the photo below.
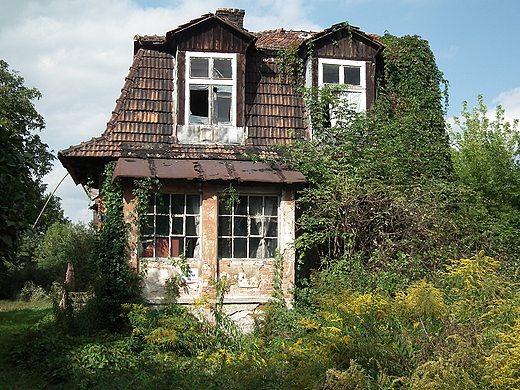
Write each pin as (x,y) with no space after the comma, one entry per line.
(195,103)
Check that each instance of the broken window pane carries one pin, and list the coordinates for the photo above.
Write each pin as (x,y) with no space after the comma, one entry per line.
(199,67)
(199,104)
(352,75)
(222,102)
(330,74)
(222,68)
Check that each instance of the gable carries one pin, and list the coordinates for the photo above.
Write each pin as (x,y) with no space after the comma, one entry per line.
(211,33)
(346,42)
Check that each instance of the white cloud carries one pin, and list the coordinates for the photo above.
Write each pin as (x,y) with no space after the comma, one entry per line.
(510,101)
(77,53)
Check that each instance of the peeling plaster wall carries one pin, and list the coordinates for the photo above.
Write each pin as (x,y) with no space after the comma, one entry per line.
(252,279)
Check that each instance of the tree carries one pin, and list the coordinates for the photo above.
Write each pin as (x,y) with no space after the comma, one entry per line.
(24,160)
(486,154)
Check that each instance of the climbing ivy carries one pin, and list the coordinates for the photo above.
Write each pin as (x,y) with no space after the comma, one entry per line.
(379,198)
(115,283)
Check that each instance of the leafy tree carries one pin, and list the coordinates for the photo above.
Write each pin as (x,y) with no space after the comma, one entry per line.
(24,161)
(486,154)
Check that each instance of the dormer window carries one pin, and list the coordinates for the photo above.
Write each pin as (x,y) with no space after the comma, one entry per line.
(351,74)
(211,89)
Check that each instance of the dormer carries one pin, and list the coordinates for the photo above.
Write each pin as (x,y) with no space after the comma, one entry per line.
(344,55)
(210,78)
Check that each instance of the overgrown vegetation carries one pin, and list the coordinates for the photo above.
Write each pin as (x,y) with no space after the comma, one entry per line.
(415,254)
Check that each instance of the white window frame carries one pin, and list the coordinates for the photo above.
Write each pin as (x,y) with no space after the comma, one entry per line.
(361,88)
(262,236)
(211,81)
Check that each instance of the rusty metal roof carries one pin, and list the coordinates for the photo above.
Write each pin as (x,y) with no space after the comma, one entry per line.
(206,170)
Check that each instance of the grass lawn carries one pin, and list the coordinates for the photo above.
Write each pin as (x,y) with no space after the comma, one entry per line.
(15,316)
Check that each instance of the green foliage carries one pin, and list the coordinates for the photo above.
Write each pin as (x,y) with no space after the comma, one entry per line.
(23,162)
(486,152)
(115,283)
(65,243)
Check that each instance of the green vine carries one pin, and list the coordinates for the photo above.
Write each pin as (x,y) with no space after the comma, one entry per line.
(115,282)
(290,66)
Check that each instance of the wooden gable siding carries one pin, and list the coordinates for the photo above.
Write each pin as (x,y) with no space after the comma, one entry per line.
(273,108)
(212,36)
(345,44)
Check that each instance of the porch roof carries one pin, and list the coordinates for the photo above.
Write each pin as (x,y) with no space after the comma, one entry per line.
(205,170)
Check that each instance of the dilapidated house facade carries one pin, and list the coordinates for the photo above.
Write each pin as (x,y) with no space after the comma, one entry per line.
(195,103)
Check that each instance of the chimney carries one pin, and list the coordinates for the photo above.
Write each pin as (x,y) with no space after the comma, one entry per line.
(233,15)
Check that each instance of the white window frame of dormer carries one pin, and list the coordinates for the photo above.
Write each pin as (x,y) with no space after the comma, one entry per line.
(360,104)
(211,82)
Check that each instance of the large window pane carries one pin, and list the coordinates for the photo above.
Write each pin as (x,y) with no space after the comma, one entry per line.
(199,104)
(222,108)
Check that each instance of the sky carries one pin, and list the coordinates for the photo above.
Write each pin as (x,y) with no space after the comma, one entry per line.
(78,52)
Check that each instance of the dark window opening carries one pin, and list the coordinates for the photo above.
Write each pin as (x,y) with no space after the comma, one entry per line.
(248,228)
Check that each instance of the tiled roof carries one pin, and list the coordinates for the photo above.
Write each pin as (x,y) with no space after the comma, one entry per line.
(280,39)
(142,124)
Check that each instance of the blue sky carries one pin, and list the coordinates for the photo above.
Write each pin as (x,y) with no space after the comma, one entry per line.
(77,52)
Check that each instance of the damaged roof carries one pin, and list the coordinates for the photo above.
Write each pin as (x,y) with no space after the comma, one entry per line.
(143,122)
